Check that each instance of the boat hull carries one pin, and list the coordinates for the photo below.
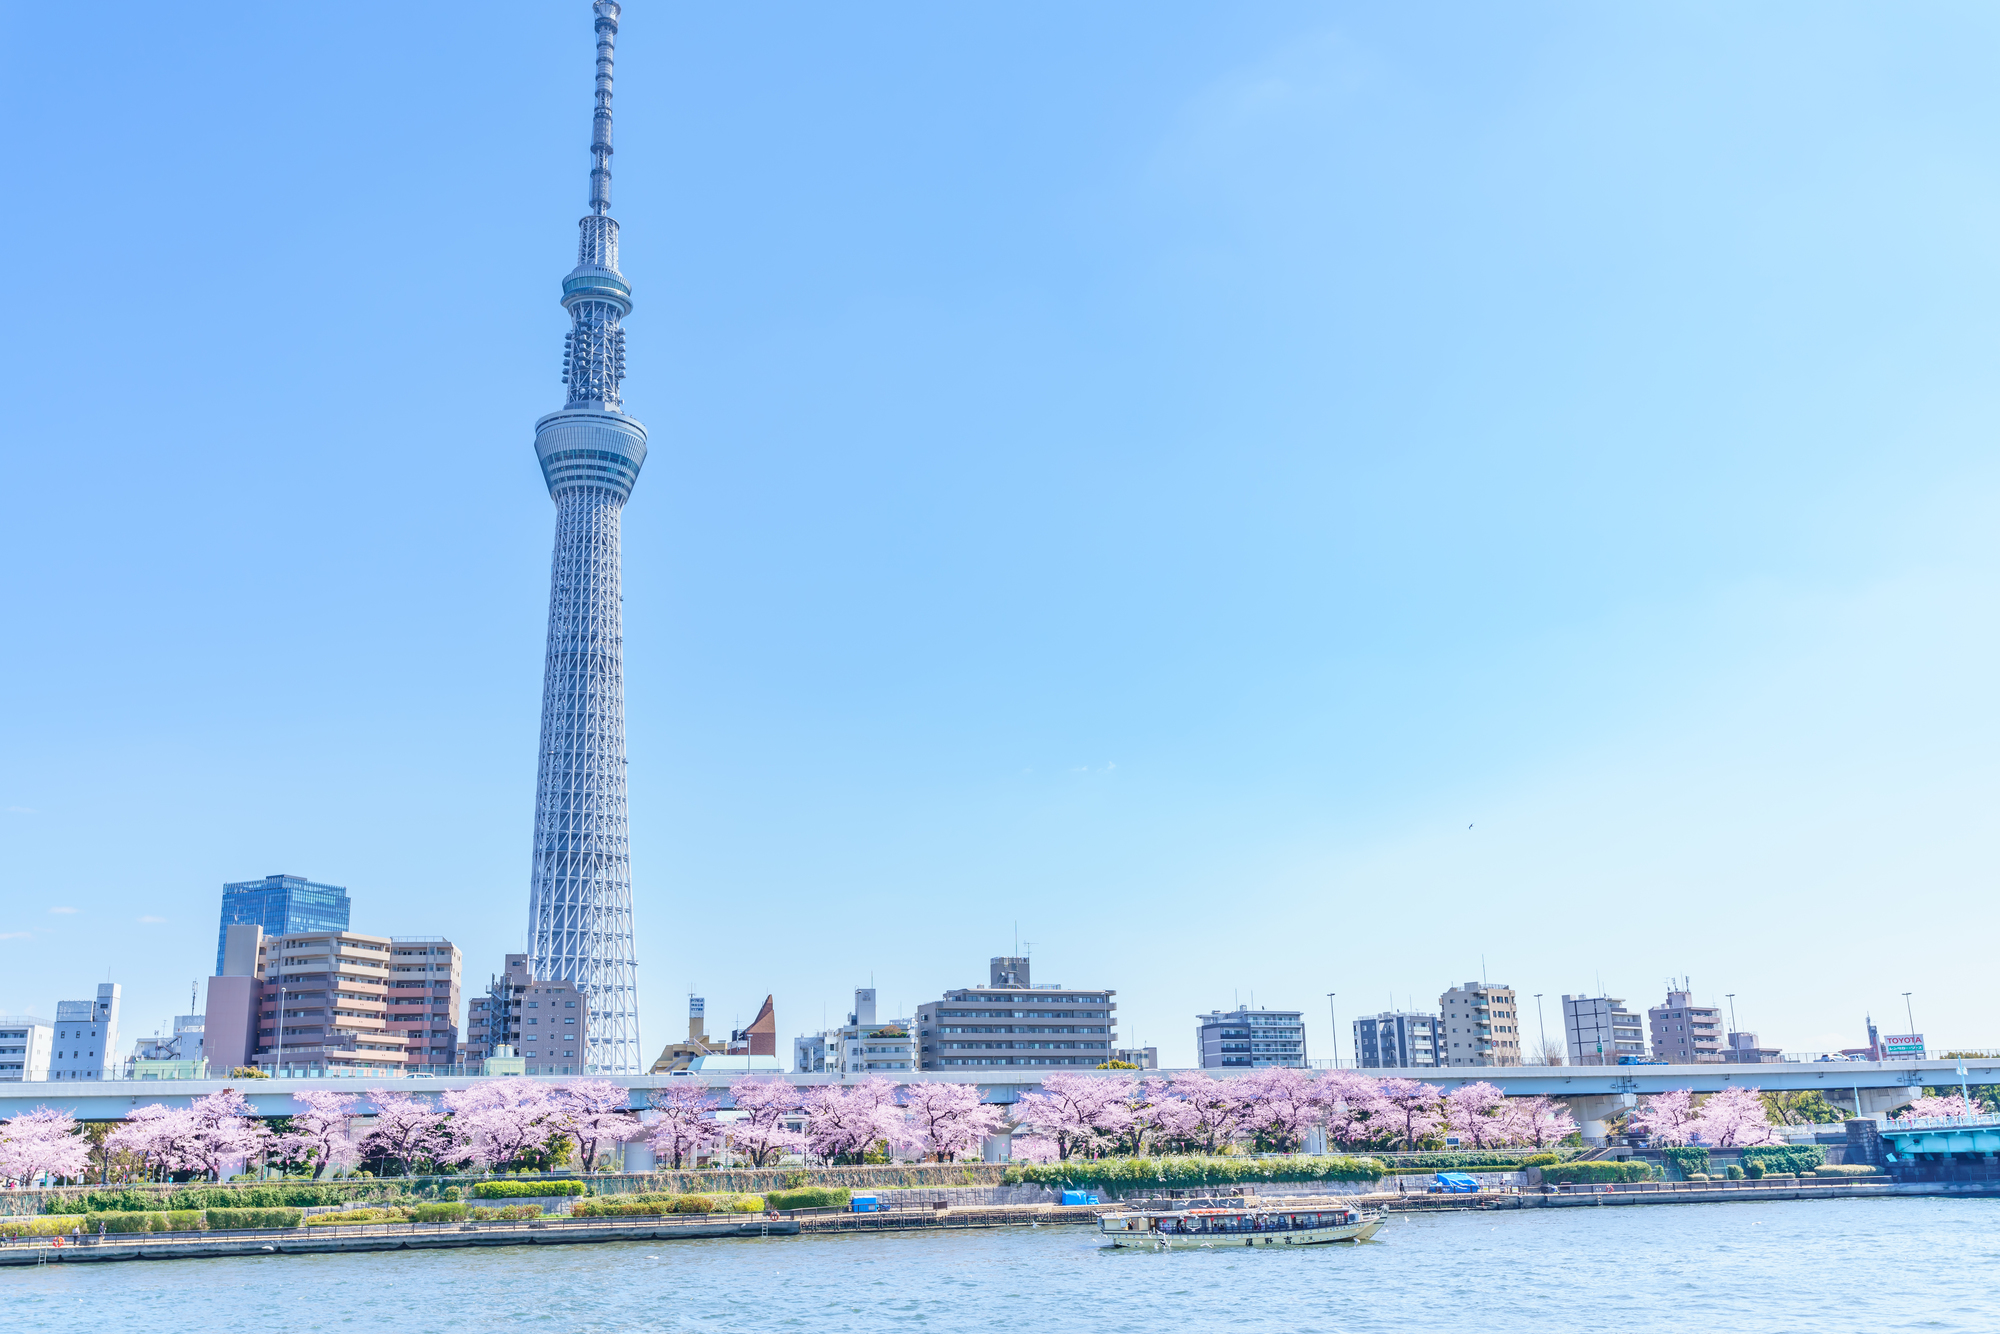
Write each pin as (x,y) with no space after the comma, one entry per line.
(1313,1236)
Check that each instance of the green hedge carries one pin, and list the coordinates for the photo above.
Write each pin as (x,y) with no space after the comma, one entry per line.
(280,1195)
(1847,1170)
(1632,1170)
(355,1217)
(1139,1173)
(1465,1160)
(1691,1159)
(811,1197)
(1794,1158)
(44,1226)
(631,1206)
(506,1190)
(508,1212)
(242,1218)
(445,1213)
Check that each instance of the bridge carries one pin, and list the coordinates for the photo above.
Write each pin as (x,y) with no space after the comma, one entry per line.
(1943,1134)
(1593,1093)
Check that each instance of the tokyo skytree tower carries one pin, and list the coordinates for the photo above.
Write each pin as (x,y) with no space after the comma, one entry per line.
(580,899)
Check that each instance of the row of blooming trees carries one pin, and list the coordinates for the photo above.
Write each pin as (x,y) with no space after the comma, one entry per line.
(1274,1109)
(519,1124)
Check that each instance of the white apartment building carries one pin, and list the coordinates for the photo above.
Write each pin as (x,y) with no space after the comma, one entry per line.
(25,1042)
(86,1037)
(1244,1038)
(1481,1026)
(863,1045)
(1599,1030)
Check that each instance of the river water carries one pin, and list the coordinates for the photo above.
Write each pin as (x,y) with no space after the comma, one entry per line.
(1826,1265)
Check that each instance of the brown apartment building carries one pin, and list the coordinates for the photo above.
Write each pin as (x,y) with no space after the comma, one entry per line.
(424,979)
(323,1002)
(546,1023)
(1684,1033)
(1479,1025)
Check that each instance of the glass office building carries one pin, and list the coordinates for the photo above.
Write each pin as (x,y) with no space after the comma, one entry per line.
(282,905)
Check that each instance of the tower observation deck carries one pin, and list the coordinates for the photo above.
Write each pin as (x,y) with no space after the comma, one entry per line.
(580,895)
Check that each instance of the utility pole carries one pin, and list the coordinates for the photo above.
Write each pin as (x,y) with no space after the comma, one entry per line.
(1910,1016)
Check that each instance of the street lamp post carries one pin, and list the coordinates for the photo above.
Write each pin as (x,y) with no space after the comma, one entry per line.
(1542,1028)
(1333,1018)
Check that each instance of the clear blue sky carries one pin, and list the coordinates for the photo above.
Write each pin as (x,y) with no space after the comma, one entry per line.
(1283,498)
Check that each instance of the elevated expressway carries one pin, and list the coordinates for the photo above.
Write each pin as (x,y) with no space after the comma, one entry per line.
(1593,1093)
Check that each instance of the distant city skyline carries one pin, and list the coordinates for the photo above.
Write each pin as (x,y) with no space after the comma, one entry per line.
(1207,487)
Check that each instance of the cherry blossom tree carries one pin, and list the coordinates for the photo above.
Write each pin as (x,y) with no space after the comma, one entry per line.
(1170,1124)
(1218,1104)
(1473,1113)
(408,1130)
(322,1134)
(1281,1106)
(1034,1149)
(593,1112)
(1079,1112)
(1735,1118)
(198,1140)
(502,1123)
(1667,1118)
(687,1125)
(1352,1108)
(760,1133)
(843,1121)
(946,1121)
(44,1142)
(1542,1122)
(1409,1110)
(1950,1104)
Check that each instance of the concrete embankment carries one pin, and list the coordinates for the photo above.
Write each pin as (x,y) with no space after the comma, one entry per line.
(379,1237)
(1678,1193)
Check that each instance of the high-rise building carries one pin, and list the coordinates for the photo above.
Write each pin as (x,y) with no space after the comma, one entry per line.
(1009,1022)
(281,904)
(25,1042)
(1243,1038)
(1482,1026)
(1145,1058)
(1599,1030)
(86,1036)
(1396,1039)
(580,899)
(323,1006)
(424,977)
(544,1022)
(1684,1033)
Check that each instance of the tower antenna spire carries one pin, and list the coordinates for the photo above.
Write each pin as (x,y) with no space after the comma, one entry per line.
(607,12)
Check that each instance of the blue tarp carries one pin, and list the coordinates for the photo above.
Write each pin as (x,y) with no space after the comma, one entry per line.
(1080,1197)
(1456,1181)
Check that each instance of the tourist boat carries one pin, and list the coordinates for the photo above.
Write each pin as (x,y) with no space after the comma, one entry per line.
(1165,1224)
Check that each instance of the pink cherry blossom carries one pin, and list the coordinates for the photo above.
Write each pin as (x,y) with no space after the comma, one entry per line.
(844,1121)
(1473,1112)
(200,1139)
(1735,1118)
(1034,1149)
(1950,1104)
(760,1133)
(1542,1122)
(41,1143)
(1281,1106)
(594,1113)
(322,1133)
(1408,1110)
(408,1130)
(1218,1108)
(1081,1113)
(687,1127)
(496,1123)
(1667,1118)
(946,1121)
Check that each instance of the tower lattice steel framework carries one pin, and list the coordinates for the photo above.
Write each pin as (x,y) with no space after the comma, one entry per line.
(580,900)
